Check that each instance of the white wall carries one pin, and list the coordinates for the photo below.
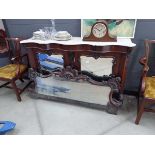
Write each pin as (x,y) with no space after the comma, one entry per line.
(1,24)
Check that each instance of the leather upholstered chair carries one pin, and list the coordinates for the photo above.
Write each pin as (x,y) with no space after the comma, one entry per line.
(147,88)
(15,69)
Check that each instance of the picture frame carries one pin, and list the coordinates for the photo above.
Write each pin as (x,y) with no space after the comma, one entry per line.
(118,28)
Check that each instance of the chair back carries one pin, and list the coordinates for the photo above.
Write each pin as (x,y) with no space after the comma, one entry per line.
(150,56)
(4,44)
(10,47)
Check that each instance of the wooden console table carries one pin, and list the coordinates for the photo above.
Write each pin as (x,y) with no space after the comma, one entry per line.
(73,49)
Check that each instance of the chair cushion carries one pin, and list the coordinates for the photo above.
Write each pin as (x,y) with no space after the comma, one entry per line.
(150,87)
(10,71)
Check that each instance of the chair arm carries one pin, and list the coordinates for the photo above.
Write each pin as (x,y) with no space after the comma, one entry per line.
(142,60)
(143,79)
(16,43)
(16,60)
(18,57)
(13,39)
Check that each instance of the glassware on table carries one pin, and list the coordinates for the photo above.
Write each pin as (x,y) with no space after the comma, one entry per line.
(53,28)
(48,33)
(39,35)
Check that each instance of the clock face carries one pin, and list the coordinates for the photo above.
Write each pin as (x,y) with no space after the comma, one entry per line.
(99,30)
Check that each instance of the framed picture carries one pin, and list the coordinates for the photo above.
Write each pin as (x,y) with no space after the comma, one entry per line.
(120,28)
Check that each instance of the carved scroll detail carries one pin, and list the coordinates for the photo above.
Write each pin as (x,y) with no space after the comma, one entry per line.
(115,99)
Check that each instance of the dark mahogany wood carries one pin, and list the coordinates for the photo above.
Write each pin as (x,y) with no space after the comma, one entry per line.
(15,57)
(143,101)
(105,38)
(119,53)
(72,53)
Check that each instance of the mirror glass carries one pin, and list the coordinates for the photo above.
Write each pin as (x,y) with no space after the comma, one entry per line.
(51,62)
(99,67)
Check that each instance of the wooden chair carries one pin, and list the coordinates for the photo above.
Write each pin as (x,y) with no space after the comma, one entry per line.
(15,69)
(147,89)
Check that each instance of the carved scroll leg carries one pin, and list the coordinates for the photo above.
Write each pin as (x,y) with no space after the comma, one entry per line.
(115,101)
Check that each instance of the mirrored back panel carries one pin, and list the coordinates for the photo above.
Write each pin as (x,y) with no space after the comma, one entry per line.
(99,67)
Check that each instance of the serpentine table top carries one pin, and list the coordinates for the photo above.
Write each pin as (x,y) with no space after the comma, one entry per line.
(79,41)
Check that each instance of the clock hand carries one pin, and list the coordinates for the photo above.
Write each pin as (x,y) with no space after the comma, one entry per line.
(98,29)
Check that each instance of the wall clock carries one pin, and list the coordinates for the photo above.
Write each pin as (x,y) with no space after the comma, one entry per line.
(99,32)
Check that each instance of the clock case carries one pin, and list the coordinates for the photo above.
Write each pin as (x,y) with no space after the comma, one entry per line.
(105,38)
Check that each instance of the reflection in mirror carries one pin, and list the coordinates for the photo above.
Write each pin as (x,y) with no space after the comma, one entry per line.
(99,67)
(76,91)
(51,62)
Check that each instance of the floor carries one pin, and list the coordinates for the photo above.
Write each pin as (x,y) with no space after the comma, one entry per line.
(36,116)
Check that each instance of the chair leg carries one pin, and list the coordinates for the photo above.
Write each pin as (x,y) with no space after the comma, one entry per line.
(16,90)
(141,110)
(138,99)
